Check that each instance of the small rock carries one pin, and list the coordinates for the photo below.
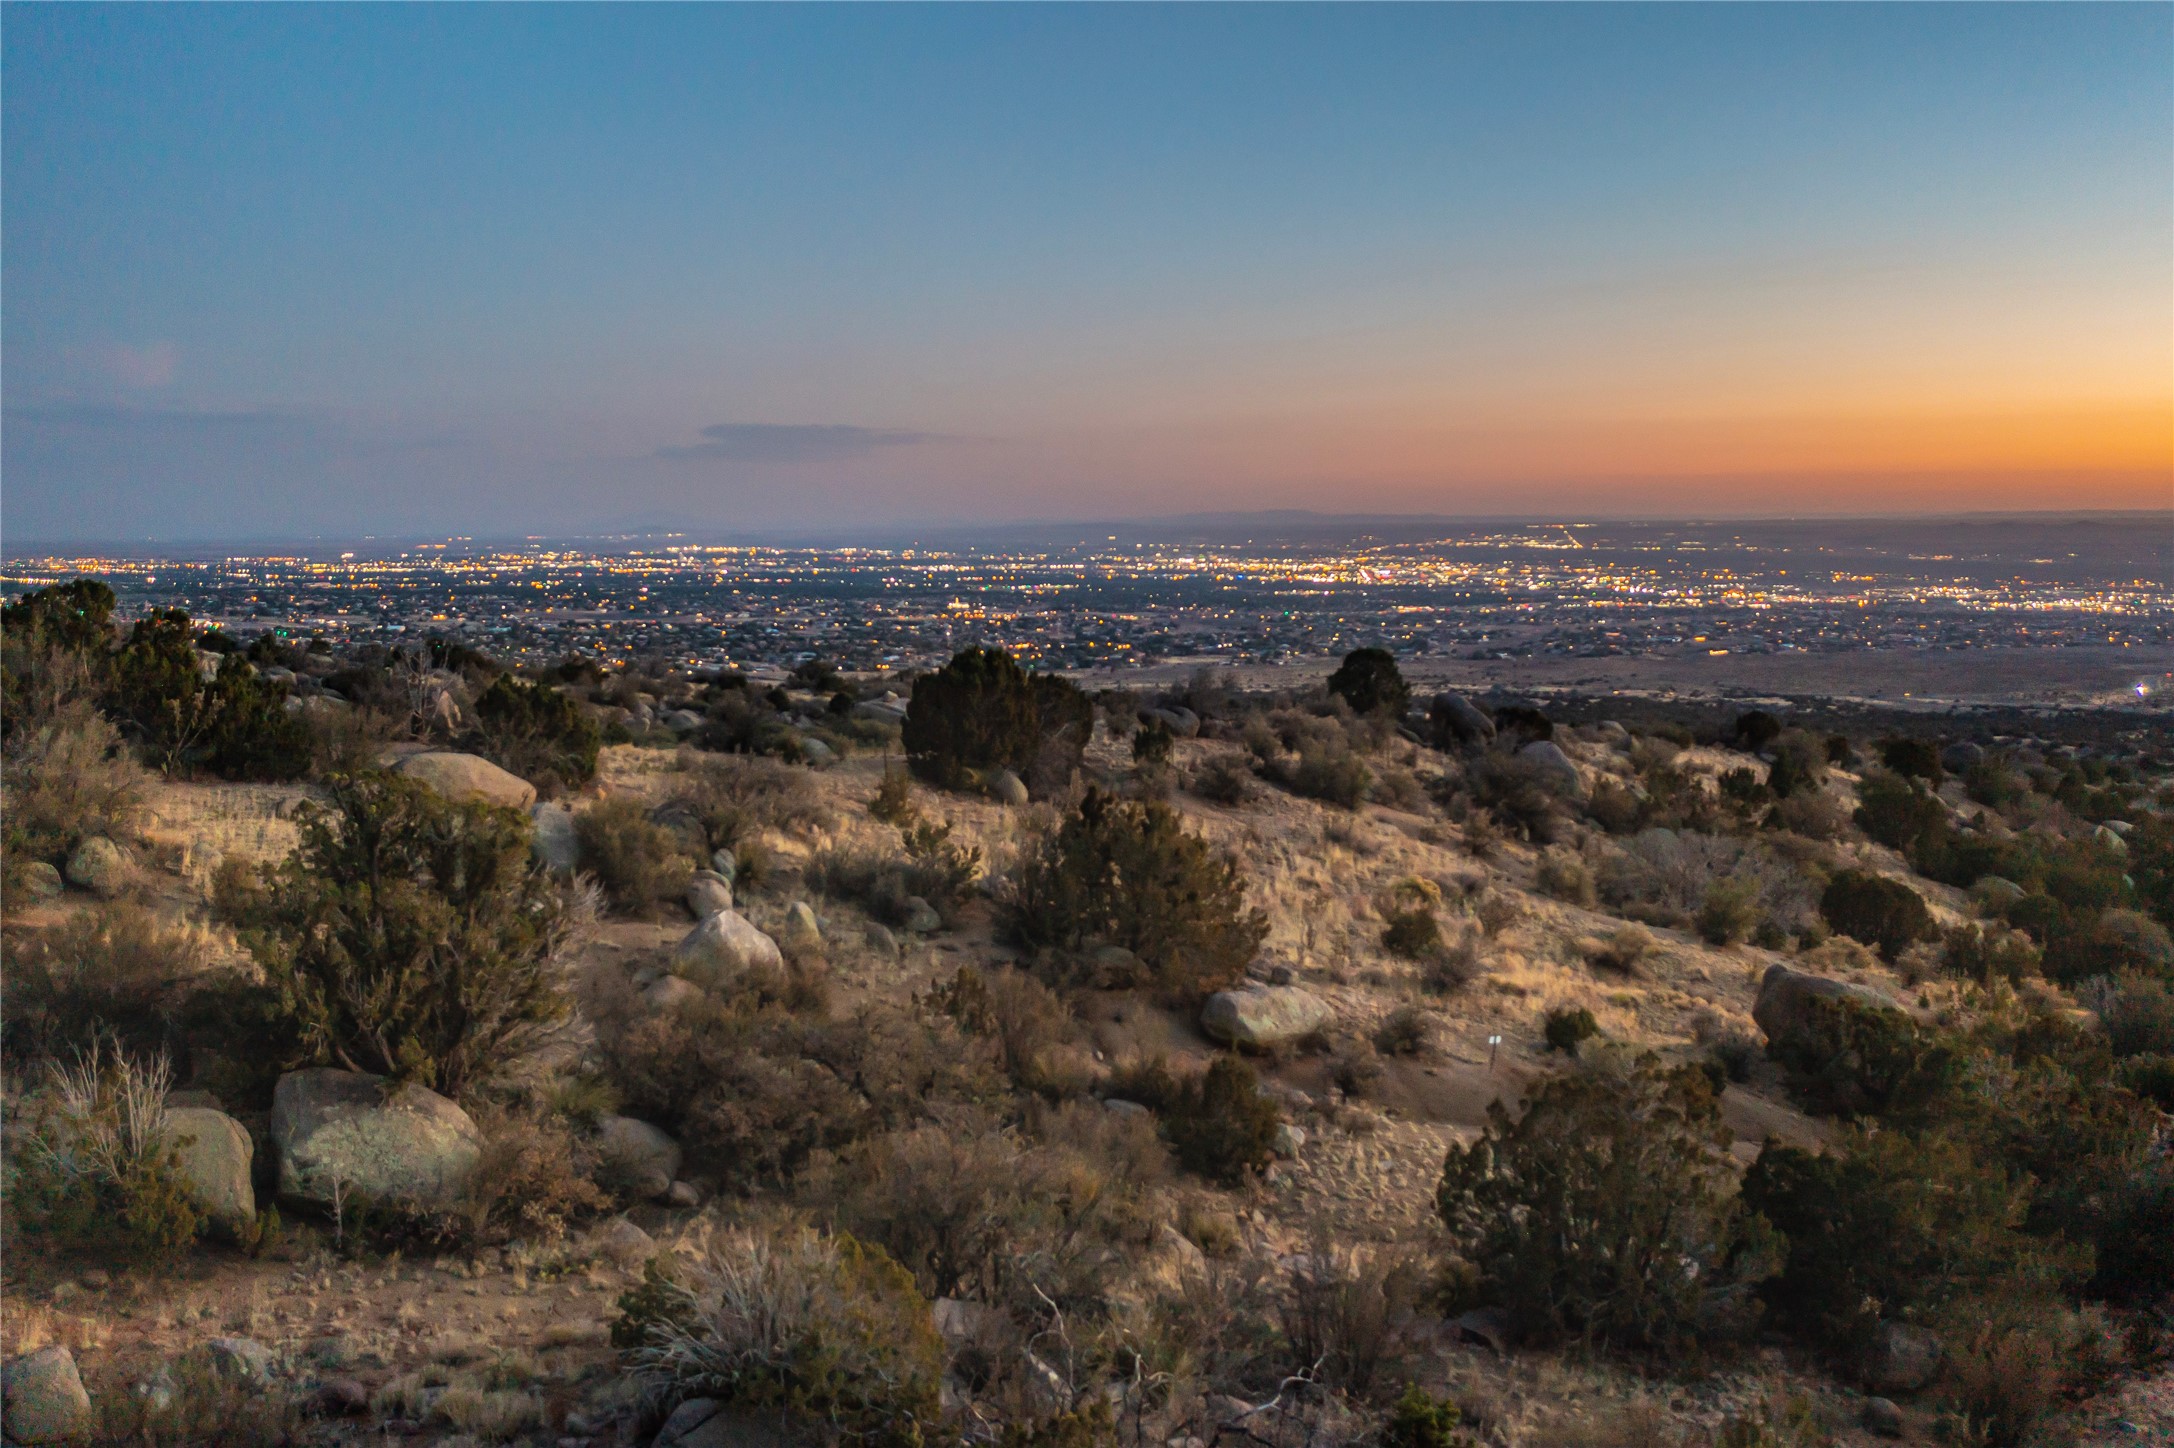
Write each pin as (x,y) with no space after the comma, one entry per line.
(330,1351)
(681,721)
(642,1155)
(240,1358)
(1489,1325)
(625,1244)
(552,840)
(99,867)
(1123,1107)
(1288,1141)
(343,1397)
(882,942)
(683,1195)
(41,881)
(44,1397)
(708,894)
(1224,1410)
(920,917)
(726,864)
(1881,1416)
(816,752)
(668,993)
(802,932)
(1006,787)
(156,1391)
(1902,1358)
(97,1279)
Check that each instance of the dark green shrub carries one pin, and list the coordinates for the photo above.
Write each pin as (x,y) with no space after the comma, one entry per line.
(408,935)
(2137,1014)
(1839,751)
(1986,954)
(1895,812)
(1421,1420)
(1126,873)
(1730,912)
(2109,943)
(1332,774)
(2151,1078)
(235,725)
(1412,933)
(1743,788)
(1755,729)
(1850,1058)
(1568,1029)
(1913,759)
(640,863)
(1152,743)
(1219,1123)
(1608,1211)
(1876,911)
(1895,1224)
(1370,682)
(1224,780)
(982,712)
(537,732)
(71,616)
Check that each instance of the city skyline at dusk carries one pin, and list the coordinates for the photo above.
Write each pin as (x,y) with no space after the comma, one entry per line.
(326,272)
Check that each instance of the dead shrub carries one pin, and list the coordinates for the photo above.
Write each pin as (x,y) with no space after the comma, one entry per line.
(65,775)
(1034,1030)
(733,798)
(535,1177)
(116,970)
(1564,875)
(1408,1031)
(640,863)
(1225,779)
(1623,951)
(1347,1314)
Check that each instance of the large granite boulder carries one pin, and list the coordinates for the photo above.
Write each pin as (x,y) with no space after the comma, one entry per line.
(355,1133)
(215,1154)
(41,881)
(1785,1004)
(644,1157)
(1901,1358)
(466,777)
(723,948)
(1546,758)
(1457,722)
(99,866)
(1182,722)
(1259,1016)
(42,1398)
(1005,787)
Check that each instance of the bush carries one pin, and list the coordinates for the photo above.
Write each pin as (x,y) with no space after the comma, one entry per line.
(65,775)
(1152,743)
(893,800)
(1895,812)
(1218,1123)
(98,1167)
(1608,1211)
(1421,1420)
(408,935)
(2112,942)
(725,803)
(1125,873)
(1224,780)
(1032,1027)
(639,862)
(1565,876)
(1730,911)
(1625,949)
(2137,1014)
(1876,911)
(1347,1314)
(983,712)
(818,1326)
(115,972)
(1331,773)
(1521,791)
(202,1406)
(537,732)
(1849,1058)
(236,725)
(1408,1031)
(930,868)
(1913,758)
(1369,681)
(1985,954)
(1894,1224)
(1665,877)
(1568,1029)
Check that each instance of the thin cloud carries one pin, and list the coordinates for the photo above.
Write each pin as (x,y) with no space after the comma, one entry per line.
(786,442)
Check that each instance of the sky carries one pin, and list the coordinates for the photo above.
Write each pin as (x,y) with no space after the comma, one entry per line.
(296,271)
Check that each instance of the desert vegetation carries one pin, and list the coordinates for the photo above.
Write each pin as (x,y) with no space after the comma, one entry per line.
(969,1059)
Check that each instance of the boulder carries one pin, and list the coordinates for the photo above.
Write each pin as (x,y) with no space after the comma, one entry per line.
(1958,758)
(1457,721)
(1881,1418)
(919,917)
(880,711)
(239,1358)
(1264,1015)
(352,1131)
(99,867)
(708,1423)
(1119,1106)
(685,1195)
(466,777)
(41,881)
(669,993)
(43,1397)
(624,1244)
(1182,722)
(1288,1141)
(1554,766)
(708,893)
(1785,996)
(215,1154)
(816,752)
(1996,891)
(802,932)
(726,865)
(1901,1359)
(644,1156)
(552,840)
(1005,787)
(722,949)
(681,721)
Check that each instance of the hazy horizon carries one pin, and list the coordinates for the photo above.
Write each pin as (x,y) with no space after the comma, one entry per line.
(283,272)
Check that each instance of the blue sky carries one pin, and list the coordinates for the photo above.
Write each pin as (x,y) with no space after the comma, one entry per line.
(280,271)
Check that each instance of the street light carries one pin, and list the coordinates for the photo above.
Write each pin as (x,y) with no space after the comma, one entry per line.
(1492,1043)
